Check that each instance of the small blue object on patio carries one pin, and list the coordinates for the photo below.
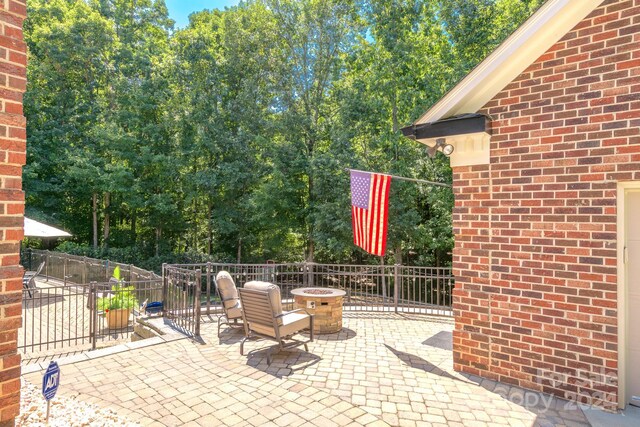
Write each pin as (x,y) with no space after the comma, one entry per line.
(154,307)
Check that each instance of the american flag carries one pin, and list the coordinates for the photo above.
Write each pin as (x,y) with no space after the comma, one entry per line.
(369,210)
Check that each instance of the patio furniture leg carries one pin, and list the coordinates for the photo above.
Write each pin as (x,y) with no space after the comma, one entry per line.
(220,323)
(242,345)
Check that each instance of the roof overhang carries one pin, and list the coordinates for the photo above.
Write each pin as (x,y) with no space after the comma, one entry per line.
(469,134)
(456,125)
(539,33)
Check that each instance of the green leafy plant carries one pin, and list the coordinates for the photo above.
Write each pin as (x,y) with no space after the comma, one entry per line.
(123,296)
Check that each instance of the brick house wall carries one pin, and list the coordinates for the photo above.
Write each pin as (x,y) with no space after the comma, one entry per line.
(13,61)
(535,230)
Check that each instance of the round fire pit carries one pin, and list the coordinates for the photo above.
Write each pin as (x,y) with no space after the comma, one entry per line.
(326,306)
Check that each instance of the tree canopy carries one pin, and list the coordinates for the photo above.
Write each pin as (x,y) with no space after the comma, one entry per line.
(229,138)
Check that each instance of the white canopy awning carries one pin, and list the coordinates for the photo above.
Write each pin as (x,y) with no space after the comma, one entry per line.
(37,229)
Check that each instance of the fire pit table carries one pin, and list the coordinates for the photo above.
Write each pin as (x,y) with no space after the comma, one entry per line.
(325,304)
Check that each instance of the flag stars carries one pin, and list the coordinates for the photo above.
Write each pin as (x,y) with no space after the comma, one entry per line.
(360,187)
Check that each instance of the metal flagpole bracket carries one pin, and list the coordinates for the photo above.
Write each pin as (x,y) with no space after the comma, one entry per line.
(403,178)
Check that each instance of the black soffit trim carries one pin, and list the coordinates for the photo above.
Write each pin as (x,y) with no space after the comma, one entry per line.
(457,125)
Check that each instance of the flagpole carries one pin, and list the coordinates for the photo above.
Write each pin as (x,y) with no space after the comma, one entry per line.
(403,178)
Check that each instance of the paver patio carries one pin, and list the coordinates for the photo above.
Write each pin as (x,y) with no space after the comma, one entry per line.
(382,369)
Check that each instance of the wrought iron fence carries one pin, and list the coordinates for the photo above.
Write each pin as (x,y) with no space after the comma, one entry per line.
(396,288)
(181,292)
(57,317)
(74,269)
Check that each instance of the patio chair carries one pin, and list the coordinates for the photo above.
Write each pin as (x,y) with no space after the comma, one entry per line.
(228,294)
(29,280)
(263,317)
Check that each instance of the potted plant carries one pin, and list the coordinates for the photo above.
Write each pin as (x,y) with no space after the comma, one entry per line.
(118,306)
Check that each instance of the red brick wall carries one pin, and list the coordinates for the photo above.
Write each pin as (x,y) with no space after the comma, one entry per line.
(535,252)
(13,60)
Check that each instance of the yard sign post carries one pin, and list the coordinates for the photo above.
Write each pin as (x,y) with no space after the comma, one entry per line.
(50,383)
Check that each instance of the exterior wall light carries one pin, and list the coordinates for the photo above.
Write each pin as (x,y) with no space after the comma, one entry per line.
(441,144)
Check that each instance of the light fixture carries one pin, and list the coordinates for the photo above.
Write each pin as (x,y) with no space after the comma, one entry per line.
(441,144)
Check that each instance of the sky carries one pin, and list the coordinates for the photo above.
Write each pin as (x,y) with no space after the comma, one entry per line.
(179,10)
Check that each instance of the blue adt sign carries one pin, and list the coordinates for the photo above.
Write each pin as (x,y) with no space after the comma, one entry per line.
(51,381)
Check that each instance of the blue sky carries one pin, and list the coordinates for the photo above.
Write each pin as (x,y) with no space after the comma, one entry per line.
(179,10)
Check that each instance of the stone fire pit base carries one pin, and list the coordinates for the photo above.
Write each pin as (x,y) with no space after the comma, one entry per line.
(326,306)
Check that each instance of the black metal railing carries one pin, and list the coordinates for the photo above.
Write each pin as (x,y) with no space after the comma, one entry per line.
(181,294)
(75,269)
(64,313)
(83,315)
(395,288)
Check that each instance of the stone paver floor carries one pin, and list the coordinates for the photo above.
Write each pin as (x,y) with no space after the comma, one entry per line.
(382,369)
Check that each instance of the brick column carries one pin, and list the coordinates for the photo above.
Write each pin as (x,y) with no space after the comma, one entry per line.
(13,61)
(471,260)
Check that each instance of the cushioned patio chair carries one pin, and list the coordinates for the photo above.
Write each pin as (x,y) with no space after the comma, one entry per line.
(263,317)
(29,280)
(228,294)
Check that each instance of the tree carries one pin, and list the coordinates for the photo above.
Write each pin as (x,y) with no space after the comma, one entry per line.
(398,66)
(316,34)
(65,104)
(232,136)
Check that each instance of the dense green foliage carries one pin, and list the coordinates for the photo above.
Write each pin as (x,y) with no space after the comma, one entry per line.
(230,137)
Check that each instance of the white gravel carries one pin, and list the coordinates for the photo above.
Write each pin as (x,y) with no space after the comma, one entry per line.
(64,411)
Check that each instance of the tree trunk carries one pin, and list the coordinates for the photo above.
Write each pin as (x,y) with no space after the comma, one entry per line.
(133,227)
(394,113)
(158,235)
(310,244)
(239,256)
(95,220)
(397,255)
(195,239)
(209,227)
(107,229)
(384,280)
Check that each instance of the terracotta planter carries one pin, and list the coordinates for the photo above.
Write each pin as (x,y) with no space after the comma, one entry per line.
(118,318)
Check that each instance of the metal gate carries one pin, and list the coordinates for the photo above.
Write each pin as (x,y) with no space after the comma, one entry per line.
(181,298)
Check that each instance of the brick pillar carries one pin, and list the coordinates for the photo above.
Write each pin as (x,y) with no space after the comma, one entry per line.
(471,260)
(13,61)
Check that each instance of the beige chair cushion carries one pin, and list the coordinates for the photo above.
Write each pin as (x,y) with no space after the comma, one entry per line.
(272,290)
(291,323)
(227,289)
(294,322)
(234,312)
